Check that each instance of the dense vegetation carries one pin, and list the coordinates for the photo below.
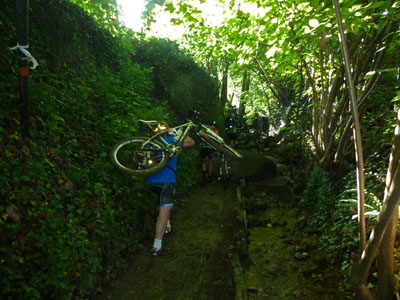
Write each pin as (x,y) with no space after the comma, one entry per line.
(69,220)
(286,60)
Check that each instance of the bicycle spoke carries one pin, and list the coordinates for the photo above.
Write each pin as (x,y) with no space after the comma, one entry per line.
(131,157)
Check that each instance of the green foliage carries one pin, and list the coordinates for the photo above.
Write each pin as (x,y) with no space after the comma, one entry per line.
(318,196)
(375,174)
(104,12)
(178,79)
(189,172)
(380,118)
(294,44)
(68,218)
(338,231)
(333,207)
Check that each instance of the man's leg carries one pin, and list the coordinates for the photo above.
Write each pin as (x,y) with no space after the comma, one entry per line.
(210,164)
(166,204)
(203,156)
(161,225)
(210,168)
(204,165)
(162,220)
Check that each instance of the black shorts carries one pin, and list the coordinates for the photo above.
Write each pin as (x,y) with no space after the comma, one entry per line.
(165,192)
(206,152)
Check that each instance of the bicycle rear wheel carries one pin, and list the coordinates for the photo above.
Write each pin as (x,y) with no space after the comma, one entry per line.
(138,156)
(220,145)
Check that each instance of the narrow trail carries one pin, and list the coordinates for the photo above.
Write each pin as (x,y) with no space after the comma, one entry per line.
(216,252)
(197,261)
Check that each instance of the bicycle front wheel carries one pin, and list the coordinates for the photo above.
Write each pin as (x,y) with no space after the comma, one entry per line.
(220,145)
(138,156)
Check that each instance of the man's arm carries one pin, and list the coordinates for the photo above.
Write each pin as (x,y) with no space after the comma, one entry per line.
(188,142)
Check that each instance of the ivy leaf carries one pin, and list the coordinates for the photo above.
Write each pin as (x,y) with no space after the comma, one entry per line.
(395,99)
(376,4)
(98,188)
(370,285)
(170,7)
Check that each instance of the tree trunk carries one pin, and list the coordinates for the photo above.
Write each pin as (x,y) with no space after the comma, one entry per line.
(356,129)
(385,259)
(245,88)
(360,270)
(224,86)
(385,262)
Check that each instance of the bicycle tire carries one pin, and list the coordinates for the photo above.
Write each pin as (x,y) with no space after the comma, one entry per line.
(221,146)
(132,150)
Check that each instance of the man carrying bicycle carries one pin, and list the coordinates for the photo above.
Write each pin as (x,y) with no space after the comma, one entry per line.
(207,156)
(231,125)
(163,184)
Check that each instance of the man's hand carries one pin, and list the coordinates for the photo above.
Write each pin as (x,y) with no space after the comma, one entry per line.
(188,142)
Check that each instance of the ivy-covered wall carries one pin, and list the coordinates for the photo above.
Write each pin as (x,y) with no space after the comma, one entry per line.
(189,87)
(68,219)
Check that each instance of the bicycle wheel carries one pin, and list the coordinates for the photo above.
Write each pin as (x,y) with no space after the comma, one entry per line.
(133,156)
(220,145)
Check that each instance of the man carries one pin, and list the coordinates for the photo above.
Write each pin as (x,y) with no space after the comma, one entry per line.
(163,183)
(231,126)
(207,156)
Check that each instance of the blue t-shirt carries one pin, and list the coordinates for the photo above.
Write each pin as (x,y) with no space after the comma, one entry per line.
(166,175)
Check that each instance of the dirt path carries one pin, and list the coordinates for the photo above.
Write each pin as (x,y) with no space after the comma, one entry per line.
(197,261)
(210,256)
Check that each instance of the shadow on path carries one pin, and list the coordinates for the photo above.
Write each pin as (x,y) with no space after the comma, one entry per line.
(197,263)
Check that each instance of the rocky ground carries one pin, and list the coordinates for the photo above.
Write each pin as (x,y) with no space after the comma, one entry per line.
(283,260)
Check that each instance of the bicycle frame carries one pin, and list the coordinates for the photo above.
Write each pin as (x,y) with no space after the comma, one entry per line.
(172,149)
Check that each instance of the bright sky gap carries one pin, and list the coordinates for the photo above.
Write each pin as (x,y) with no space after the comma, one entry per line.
(131,13)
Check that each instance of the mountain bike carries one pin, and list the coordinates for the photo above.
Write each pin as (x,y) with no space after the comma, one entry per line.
(144,156)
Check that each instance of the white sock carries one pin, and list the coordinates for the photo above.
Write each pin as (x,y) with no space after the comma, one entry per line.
(157,244)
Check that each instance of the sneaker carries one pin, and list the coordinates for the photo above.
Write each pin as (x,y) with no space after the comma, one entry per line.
(167,230)
(155,252)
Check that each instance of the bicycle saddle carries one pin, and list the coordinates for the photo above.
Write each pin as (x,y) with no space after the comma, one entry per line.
(147,126)
(148,123)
